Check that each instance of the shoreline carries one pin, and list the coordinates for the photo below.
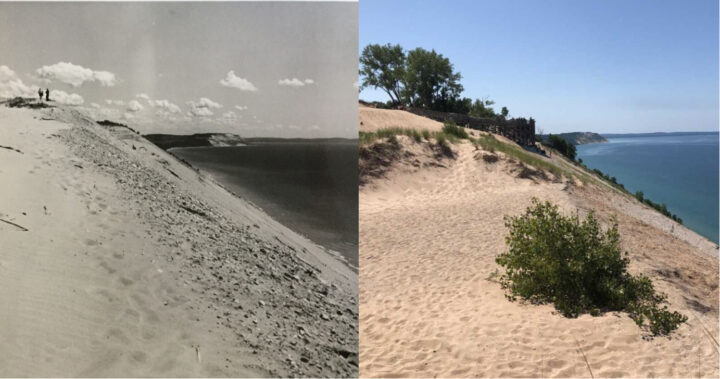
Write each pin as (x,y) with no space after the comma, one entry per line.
(675,208)
(152,269)
(209,176)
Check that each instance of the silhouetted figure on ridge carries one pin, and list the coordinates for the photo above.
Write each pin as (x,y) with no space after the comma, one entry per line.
(47,94)
(40,93)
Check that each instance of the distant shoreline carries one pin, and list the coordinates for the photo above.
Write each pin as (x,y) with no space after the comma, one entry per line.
(168,141)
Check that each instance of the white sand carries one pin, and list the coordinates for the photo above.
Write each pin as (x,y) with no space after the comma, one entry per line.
(372,119)
(430,304)
(117,276)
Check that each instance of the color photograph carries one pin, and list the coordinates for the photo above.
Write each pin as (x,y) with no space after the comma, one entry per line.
(538,189)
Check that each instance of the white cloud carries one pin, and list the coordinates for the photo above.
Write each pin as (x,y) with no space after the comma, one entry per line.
(203,107)
(241,107)
(75,75)
(230,115)
(295,82)
(11,85)
(99,112)
(165,106)
(105,78)
(234,81)
(134,106)
(145,97)
(118,103)
(63,97)
(6,74)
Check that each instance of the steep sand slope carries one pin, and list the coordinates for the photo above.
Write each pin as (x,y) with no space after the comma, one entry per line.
(372,119)
(134,264)
(430,304)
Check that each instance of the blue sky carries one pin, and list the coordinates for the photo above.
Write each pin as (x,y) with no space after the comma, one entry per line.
(603,66)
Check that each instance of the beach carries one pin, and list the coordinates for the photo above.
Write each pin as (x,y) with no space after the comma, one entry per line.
(308,186)
(430,301)
(119,260)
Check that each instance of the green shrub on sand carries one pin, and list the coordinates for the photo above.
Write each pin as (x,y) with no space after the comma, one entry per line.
(578,267)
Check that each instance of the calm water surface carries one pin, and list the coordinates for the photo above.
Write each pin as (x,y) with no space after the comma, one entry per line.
(311,188)
(678,170)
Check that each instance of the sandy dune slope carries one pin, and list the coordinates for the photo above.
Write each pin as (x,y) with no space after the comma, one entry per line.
(118,260)
(430,304)
(372,119)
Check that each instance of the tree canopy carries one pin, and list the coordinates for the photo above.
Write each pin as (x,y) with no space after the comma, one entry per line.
(419,78)
(383,66)
(430,80)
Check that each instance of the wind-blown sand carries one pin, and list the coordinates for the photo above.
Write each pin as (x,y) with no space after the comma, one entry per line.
(430,303)
(133,264)
(372,119)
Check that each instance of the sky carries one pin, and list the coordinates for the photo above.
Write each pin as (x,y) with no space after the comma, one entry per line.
(271,69)
(612,66)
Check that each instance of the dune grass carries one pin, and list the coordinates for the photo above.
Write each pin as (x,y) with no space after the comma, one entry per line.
(452,134)
(441,137)
(490,143)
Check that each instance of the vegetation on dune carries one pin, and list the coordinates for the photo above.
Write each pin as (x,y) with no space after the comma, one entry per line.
(449,127)
(568,150)
(490,143)
(639,195)
(578,267)
(561,145)
(662,208)
(452,133)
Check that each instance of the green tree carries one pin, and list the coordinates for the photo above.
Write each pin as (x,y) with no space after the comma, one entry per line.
(383,66)
(564,147)
(504,112)
(430,80)
(482,108)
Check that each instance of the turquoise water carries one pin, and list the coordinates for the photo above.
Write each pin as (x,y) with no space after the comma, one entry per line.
(679,169)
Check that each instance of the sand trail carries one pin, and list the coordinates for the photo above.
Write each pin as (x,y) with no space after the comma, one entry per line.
(430,304)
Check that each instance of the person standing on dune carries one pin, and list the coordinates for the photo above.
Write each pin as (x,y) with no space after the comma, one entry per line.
(47,94)
(40,93)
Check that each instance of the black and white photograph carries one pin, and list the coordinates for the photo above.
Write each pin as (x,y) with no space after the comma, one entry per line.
(178,189)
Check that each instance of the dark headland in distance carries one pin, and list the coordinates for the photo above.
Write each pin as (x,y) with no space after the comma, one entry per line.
(168,141)
(577,138)
(582,138)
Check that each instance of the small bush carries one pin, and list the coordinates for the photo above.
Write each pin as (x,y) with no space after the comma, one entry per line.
(450,128)
(490,158)
(426,134)
(578,267)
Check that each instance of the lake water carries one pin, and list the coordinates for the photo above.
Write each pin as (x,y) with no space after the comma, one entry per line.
(680,170)
(312,188)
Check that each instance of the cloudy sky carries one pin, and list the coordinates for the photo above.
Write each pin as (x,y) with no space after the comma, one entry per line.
(255,69)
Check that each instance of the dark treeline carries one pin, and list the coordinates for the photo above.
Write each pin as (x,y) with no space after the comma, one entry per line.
(420,78)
